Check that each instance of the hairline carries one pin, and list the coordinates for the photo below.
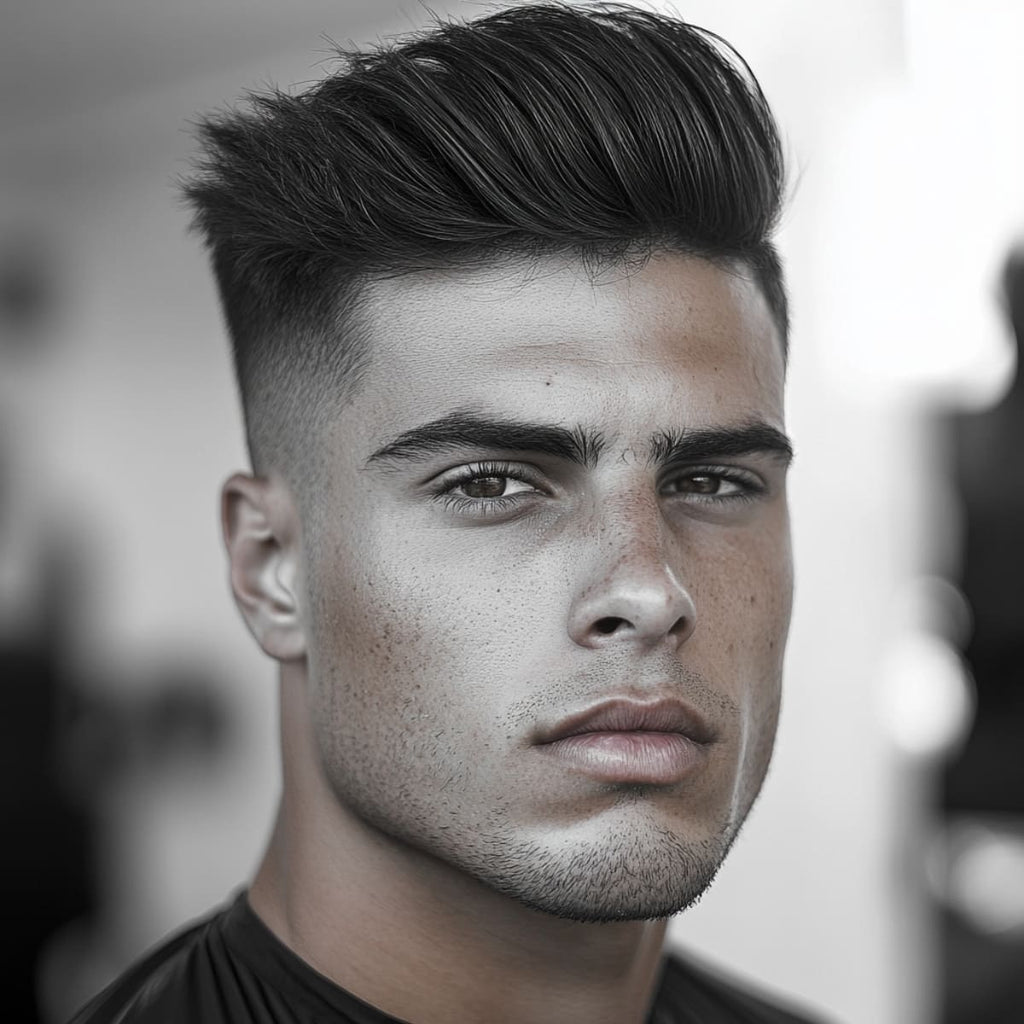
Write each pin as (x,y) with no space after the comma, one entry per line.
(353,313)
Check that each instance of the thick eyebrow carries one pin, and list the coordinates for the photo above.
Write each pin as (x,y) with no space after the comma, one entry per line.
(460,430)
(706,444)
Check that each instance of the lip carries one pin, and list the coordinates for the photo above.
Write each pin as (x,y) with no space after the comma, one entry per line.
(625,741)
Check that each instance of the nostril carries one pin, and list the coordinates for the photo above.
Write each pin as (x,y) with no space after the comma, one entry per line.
(679,627)
(608,625)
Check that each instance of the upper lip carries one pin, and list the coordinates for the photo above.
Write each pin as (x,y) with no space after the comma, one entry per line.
(623,715)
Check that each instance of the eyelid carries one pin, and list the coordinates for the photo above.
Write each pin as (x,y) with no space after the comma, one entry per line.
(752,482)
(442,484)
(450,478)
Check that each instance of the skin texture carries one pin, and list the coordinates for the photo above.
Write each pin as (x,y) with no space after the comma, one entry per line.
(434,621)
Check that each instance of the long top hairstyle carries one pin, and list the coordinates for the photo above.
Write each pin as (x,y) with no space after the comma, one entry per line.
(598,130)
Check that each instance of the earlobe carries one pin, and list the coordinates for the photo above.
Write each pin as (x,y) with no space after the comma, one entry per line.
(260,533)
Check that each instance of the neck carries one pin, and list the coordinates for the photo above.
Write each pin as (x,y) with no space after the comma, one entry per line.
(417,937)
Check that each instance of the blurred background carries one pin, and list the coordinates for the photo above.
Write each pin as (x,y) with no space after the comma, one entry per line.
(880,879)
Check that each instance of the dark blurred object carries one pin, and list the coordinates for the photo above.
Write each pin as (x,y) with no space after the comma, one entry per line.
(170,723)
(27,289)
(69,747)
(975,875)
(171,719)
(980,887)
(47,870)
(988,452)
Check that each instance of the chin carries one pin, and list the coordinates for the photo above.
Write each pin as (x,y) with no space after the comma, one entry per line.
(647,874)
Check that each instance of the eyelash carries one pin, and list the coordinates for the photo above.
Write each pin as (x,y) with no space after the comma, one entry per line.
(482,471)
(749,487)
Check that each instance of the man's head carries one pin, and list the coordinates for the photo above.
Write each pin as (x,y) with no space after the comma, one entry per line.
(510,335)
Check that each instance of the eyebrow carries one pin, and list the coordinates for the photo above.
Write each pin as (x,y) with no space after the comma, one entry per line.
(470,430)
(700,445)
(461,430)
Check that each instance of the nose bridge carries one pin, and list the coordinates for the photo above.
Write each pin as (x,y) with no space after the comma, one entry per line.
(630,588)
(633,530)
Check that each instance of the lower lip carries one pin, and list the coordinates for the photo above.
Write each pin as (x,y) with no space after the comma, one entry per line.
(651,758)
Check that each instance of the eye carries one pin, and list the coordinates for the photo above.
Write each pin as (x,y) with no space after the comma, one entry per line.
(490,487)
(709,485)
(487,489)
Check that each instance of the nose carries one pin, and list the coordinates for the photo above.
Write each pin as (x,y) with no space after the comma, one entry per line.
(634,597)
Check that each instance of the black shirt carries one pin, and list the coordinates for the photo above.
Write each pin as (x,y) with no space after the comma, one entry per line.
(231,969)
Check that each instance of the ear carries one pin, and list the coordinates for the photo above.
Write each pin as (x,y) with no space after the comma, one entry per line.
(261,534)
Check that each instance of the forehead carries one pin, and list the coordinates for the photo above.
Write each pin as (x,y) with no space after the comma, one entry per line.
(680,336)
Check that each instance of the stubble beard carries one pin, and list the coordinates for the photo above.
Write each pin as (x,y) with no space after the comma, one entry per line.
(645,873)
(638,870)
(629,867)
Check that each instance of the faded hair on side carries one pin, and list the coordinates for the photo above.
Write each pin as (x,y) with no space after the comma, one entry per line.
(601,131)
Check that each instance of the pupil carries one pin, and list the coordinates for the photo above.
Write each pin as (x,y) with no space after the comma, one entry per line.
(705,484)
(485,487)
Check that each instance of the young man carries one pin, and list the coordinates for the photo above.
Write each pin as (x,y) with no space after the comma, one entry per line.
(510,334)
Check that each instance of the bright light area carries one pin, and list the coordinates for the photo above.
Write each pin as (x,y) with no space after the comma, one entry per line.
(926,176)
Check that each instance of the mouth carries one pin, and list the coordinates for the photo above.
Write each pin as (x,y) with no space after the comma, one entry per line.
(623,741)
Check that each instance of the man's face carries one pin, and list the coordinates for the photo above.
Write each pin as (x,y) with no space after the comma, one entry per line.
(556,504)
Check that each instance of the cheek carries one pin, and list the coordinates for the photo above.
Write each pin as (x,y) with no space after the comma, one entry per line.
(372,639)
(414,664)
(386,703)
(402,632)
(742,622)
(743,598)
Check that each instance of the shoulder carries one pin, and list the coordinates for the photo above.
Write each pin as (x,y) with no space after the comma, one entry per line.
(691,990)
(166,984)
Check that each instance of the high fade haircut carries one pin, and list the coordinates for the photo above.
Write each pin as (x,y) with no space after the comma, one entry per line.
(599,131)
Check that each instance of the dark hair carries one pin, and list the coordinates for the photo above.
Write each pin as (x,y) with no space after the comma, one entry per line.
(599,130)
